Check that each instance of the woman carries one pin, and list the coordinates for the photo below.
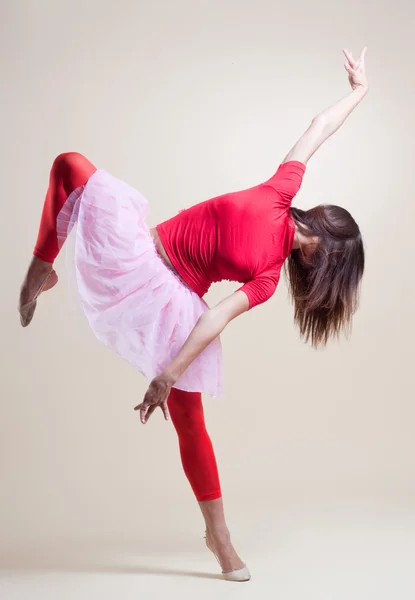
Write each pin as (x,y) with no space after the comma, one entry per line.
(142,289)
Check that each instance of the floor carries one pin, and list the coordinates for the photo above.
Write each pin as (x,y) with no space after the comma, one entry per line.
(295,555)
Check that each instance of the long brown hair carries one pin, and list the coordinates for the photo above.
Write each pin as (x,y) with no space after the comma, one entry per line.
(325,287)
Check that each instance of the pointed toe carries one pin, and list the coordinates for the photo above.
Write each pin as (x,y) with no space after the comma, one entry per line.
(238,575)
(26,313)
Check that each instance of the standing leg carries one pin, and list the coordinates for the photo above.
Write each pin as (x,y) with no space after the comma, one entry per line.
(69,171)
(199,464)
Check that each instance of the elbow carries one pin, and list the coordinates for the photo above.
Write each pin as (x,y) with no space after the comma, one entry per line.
(214,320)
(322,128)
(320,122)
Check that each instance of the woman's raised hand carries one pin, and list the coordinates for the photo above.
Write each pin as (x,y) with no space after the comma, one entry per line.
(356,70)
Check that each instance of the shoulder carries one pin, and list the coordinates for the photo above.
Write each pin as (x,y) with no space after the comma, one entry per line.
(287,180)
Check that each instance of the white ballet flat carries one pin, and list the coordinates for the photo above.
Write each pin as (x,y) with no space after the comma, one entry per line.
(236,575)
(27,310)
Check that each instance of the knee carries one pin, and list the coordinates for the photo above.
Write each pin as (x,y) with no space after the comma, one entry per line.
(185,420)
(68,160)
(186,414)
(73,169)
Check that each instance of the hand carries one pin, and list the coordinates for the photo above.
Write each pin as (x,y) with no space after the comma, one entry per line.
(156,395)
(356,70)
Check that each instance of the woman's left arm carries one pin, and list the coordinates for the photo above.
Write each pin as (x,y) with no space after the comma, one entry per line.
(330,120)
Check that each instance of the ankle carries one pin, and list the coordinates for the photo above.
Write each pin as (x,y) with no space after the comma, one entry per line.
(219,533)
(37,270)
(39,265)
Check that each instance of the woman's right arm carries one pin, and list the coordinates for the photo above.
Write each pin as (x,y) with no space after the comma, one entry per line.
(330,120)
(209,325)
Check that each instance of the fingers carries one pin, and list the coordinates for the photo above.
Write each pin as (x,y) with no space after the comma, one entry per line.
(165,410)
(143,412)
(362,57)
(352,62)
(350,59)
(146,410)
(149,413)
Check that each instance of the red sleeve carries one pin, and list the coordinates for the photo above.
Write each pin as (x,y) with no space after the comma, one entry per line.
(262,287)
(287,180)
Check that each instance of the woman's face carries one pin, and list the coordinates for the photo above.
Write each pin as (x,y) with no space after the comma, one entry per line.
(307,249)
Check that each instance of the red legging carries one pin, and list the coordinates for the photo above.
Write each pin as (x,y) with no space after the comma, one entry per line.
(70,171)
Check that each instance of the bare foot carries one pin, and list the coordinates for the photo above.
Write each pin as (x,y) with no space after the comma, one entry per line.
(219,542)
(40,277)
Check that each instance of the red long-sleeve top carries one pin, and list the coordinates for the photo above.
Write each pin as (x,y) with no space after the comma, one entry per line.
(243,236)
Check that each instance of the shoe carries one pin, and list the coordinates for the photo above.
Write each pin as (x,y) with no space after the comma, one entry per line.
(236,575)
(27,310)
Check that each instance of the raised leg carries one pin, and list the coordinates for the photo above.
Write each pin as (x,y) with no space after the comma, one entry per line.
(69,171)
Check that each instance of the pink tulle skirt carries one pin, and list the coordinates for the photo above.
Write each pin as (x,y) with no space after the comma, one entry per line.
(133,302)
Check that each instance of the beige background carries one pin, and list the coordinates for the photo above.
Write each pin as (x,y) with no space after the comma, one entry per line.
(186,100)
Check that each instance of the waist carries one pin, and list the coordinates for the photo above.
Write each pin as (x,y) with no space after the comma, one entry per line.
(178,258)
(160,248)
(161,251)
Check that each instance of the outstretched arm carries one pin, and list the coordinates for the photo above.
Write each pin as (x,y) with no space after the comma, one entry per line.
(330,120)
(208,327)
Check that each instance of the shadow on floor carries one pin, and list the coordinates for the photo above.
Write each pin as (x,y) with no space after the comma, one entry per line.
(77,561)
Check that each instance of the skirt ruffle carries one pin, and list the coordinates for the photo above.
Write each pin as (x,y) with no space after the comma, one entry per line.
(133,302)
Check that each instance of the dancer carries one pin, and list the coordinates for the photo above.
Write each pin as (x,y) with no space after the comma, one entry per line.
(141,289)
